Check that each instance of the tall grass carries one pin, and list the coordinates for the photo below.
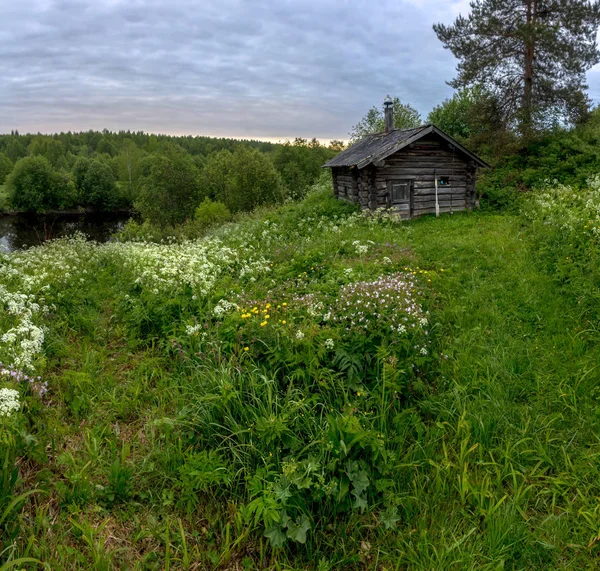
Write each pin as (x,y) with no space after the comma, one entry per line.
(184,429)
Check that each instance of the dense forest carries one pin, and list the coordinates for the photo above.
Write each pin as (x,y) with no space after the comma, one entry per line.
(106,171)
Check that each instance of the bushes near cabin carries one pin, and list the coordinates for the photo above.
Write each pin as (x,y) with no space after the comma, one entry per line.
(564,222)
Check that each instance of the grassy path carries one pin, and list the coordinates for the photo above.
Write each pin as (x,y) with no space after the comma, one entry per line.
(514,423)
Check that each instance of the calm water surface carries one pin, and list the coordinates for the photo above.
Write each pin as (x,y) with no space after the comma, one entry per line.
(25,230)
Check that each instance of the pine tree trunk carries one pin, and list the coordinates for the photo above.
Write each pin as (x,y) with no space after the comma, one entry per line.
(531,19)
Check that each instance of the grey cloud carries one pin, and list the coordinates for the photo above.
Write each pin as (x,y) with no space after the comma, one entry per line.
(260,68)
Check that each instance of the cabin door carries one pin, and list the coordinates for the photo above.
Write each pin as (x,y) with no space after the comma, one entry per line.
(401,196)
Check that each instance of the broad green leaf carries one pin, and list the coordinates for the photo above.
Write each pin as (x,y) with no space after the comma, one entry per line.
(297,530)
(275,535)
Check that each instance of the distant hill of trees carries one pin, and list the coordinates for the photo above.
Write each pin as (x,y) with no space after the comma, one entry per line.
(104,171)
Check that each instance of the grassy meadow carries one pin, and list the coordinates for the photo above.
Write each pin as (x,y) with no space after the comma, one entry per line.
(307,388)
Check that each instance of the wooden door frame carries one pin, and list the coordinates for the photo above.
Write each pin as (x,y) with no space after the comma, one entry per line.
(411,191)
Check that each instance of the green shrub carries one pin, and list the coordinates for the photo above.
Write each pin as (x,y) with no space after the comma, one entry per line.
(95,184)
(6,167)
(15,443)
(170,188)
(211,213)
(242,180)
(565,225)
(300,164)
(34,186)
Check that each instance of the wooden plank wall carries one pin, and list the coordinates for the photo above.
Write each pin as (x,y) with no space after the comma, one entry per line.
(418,162)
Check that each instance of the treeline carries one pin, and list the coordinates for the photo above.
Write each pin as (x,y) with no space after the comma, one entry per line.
(164,177)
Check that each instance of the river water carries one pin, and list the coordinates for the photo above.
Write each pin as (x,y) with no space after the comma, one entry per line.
(25,230)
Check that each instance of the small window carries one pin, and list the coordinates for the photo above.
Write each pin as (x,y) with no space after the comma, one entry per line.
(443,181)
(400,192)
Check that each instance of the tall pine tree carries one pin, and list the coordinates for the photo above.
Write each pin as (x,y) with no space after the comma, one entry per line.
(532,54)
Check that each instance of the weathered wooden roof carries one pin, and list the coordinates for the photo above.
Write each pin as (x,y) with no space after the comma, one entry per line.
(378,146)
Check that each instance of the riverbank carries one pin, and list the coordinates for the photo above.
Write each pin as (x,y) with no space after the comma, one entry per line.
(19,230)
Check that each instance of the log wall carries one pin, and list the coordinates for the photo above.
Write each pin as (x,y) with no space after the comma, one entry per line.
(345,183)
(418,163)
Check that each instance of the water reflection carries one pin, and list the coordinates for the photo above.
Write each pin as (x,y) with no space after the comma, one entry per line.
(25,230)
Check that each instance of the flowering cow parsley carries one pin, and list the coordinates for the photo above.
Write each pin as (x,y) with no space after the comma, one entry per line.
(360,248)
(28,278)
(223,306)
(329,344)
(9,402)
(193,329)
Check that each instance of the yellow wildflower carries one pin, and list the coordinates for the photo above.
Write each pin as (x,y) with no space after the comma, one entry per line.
(263,323)
(246,348)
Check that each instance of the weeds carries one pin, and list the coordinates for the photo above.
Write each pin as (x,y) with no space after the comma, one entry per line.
(305,389)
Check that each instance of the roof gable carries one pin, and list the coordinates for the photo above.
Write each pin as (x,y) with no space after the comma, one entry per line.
(378,146)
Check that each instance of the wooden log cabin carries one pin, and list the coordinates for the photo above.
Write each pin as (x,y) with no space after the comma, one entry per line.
(407,170)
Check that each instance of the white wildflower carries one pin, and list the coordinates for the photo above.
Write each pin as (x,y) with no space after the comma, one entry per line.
(223,306)
(9,401)
(193,329)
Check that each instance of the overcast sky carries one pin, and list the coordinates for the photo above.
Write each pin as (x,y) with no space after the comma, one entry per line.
(264,69)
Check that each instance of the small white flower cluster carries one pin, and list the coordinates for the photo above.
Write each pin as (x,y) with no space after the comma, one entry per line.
(24,340)
(193,329)
(360,248)
(315,309)
(22,343)
(223,307)
(329,344)
(299,335)
(9,402)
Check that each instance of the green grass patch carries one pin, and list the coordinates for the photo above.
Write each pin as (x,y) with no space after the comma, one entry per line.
(183,428)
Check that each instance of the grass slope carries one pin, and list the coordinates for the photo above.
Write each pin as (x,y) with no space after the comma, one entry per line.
(513,429)
(495,448)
